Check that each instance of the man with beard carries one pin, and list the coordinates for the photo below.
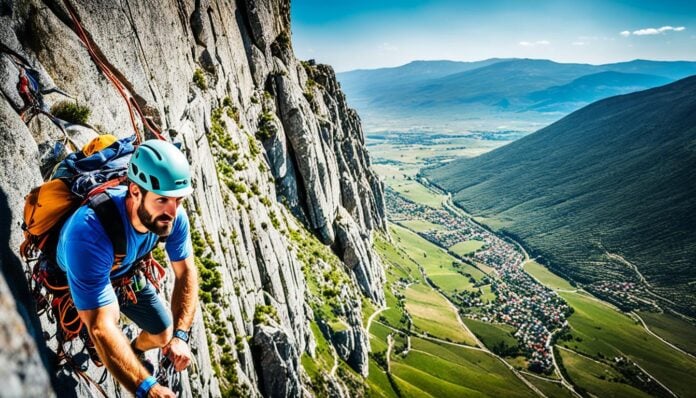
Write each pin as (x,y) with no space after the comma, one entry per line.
(149,210)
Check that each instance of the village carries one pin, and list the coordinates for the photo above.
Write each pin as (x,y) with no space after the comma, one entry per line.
(534,310)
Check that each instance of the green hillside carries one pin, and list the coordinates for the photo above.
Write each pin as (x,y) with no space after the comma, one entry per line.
(605,189)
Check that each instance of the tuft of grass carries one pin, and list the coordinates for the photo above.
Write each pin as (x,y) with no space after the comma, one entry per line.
(263,312)
(71,112)
(266,129)
(199,79)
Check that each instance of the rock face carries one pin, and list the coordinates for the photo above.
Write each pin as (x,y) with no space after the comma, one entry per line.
(278,359)
(274,150)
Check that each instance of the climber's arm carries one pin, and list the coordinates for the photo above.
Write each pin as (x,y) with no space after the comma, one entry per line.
(113,346)
(184,304)
(185,295)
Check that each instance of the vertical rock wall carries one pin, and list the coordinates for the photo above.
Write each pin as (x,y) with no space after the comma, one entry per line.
(272,144)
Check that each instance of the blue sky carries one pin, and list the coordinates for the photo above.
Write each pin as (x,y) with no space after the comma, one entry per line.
(361,34)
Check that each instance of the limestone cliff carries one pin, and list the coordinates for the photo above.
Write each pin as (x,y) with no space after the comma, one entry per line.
(285,202)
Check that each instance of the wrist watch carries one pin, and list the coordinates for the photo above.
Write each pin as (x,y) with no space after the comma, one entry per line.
(181,335)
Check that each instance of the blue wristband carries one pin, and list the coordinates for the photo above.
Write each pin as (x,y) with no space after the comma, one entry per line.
(145,387)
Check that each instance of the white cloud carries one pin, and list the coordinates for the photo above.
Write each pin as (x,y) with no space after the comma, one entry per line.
(578,43)
(388,47)
(535,43)
(652,31)
(646,32)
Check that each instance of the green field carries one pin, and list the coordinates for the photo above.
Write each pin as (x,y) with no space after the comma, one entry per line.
(421,225)
(378,382)
(596,378)
(416,192)
(451,371)
(410,391)
(483,267)
(399,264)
(598,329)
(488,294)
(466,247)
(390,172)
(549,388)
(432,313)
(368,308)
(492,334)
(495,224)
(378,336)
(436,262)
(675,330)
(546,277)
(519,362)
(394,315)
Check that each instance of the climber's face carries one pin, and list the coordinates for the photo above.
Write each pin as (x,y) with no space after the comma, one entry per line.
(156,212)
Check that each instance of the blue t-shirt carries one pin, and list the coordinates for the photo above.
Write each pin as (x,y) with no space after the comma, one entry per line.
(86,253)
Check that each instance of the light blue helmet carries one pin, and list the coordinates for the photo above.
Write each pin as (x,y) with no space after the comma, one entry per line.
(160,167)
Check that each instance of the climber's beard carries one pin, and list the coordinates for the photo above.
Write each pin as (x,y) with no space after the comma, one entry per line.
(160,225)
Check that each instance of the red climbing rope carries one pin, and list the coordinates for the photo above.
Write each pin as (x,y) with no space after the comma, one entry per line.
(133,107)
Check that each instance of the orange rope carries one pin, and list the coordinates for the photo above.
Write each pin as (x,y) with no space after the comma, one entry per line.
(65,304)
(133,107)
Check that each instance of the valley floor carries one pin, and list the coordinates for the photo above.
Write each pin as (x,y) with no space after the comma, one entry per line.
(469,314)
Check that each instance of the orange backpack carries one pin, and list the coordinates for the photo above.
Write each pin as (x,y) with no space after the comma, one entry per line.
(101,164)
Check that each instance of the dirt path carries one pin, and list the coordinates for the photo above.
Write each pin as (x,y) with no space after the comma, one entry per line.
(390,344)
(369,320)
(635,315)
(335,366)
(565,383)
(658,381)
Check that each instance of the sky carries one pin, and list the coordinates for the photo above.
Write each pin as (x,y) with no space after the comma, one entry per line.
(367,34)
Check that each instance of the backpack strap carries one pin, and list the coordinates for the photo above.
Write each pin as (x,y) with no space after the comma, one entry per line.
(110,218)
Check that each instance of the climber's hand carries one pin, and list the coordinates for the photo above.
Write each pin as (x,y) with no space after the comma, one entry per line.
(179,353)
(159,391)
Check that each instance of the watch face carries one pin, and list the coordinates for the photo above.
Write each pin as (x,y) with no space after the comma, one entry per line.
(181,335)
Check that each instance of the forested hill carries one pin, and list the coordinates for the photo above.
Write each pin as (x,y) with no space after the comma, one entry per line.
(611,180)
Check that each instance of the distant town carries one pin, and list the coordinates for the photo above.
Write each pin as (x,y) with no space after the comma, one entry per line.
(536,311)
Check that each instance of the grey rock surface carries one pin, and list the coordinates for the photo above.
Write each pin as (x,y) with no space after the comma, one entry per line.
(252,185)
(22,371)
(278,360)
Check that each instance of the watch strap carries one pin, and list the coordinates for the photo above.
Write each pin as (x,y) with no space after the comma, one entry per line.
(181,335)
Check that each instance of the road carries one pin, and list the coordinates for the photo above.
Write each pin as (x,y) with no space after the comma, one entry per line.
(568,385)
(648,286)
(479,344)
(635,315)
(369,320)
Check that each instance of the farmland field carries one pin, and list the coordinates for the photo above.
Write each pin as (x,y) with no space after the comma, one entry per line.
(599,329)
(455,371)
(436,262)
(492,334)
(421,225)
(431,313)
(596,378)
(675,330)
(546,277)
(466,247)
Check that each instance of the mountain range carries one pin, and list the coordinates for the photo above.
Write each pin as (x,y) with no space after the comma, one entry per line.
(605,194)
(464,94)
